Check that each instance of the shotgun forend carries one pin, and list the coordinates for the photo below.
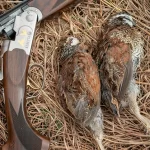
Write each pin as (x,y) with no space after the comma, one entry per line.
(19,25)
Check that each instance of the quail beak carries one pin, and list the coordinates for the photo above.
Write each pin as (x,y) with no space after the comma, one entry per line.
(115,103)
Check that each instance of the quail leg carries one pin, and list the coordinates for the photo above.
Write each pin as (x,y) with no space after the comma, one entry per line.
(99,140)
(97,127)
(134,108)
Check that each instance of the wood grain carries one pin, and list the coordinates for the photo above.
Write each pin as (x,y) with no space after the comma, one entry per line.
(21,135)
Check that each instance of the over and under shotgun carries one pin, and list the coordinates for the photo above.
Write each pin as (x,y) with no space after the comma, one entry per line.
(19,25)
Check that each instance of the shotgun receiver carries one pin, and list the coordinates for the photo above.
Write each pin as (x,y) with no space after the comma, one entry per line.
(19,25)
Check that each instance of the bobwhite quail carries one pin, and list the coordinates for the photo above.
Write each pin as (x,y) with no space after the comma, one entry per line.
(79,85)
(120,52)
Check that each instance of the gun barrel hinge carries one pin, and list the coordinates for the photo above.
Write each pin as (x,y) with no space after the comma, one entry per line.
(24,27)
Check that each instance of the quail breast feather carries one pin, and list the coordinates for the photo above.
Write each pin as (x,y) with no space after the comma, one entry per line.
(79,85)
(120,53)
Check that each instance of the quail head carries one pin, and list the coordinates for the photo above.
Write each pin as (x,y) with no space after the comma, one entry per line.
(79,85)
(120,52)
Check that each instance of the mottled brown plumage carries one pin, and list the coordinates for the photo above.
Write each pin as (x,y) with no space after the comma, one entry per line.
(120,52)
(116,68)
(79,85)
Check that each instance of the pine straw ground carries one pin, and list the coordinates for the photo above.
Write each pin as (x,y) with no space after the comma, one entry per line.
(83,21)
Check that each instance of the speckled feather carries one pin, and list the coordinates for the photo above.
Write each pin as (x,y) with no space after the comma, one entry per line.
(79,87)
(120,52)
(80,84)
(116,65)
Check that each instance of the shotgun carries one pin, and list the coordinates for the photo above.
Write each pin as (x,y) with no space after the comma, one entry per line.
(18,24)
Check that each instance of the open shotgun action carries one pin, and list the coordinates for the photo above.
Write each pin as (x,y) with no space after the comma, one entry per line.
(19,25)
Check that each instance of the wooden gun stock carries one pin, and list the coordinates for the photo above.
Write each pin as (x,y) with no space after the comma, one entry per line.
(21,136)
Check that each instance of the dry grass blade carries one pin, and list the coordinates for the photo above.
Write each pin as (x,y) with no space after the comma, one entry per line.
(84,21)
